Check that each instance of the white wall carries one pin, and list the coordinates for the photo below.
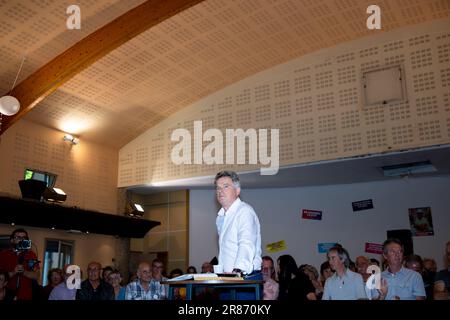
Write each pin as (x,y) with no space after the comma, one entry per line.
(280,218)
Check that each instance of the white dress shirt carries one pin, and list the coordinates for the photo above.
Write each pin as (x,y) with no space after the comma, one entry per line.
(239,238)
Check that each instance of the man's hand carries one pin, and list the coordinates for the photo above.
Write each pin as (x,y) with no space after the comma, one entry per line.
(383,289)
(19,269)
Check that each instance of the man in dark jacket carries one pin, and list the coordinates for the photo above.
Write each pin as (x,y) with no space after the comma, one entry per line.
(95,288)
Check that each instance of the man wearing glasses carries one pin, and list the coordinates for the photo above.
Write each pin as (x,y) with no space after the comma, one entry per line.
(397,282)
(21,264)
(238,228)
(148,284)
(442,279)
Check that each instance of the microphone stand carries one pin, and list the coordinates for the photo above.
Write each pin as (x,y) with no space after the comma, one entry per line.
(21,260)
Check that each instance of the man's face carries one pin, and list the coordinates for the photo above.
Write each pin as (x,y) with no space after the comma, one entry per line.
(144,273)
(335,261)
(362,265)
(207,267)
(226,192)
(93,272)
(157,268)
(394,254)
(19,236)
(267,268)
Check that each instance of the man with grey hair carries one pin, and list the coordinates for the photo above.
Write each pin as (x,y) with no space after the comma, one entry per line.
(238,228)
(344,284)
(95,288)
(397,282)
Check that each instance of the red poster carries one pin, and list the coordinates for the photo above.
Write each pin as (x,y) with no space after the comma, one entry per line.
(374,248)
(311,214)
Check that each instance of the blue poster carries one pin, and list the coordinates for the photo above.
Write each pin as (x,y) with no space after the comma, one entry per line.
(324,247)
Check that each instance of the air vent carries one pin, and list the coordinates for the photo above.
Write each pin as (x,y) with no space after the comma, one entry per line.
(406,169)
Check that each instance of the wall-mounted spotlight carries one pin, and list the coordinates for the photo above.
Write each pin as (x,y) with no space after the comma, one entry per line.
(135,210)
(71,138)
(54,195)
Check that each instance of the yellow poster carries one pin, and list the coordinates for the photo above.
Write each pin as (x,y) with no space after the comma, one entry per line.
(276,246)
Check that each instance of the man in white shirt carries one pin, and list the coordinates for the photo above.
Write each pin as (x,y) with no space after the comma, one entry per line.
(238,228)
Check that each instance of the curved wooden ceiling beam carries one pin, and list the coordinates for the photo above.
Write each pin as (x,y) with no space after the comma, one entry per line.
(84,53)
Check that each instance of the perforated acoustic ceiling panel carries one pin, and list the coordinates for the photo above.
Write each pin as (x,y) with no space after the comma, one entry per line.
(316,103)
(190,56)
(37,29)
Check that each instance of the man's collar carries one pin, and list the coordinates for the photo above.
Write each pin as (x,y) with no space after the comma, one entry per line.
(344,276)
(402,269)
(233,206)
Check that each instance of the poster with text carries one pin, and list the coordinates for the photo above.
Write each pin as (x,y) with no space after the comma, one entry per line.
(421,222)
(311,214)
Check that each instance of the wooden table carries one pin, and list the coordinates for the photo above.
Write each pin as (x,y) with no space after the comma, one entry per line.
(233,285)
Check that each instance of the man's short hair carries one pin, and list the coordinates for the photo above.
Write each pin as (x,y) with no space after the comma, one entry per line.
(414,258)
(156,260)
(231,174)
(373,260)
(21,230)
(389,241)
(267,258)
(342,253)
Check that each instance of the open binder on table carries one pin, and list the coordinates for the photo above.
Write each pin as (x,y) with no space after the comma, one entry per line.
(207,276)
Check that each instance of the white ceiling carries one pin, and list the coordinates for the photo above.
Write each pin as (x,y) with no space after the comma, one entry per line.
(183,59)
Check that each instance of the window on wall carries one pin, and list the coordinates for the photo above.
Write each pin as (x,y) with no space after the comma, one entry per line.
(58,253)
